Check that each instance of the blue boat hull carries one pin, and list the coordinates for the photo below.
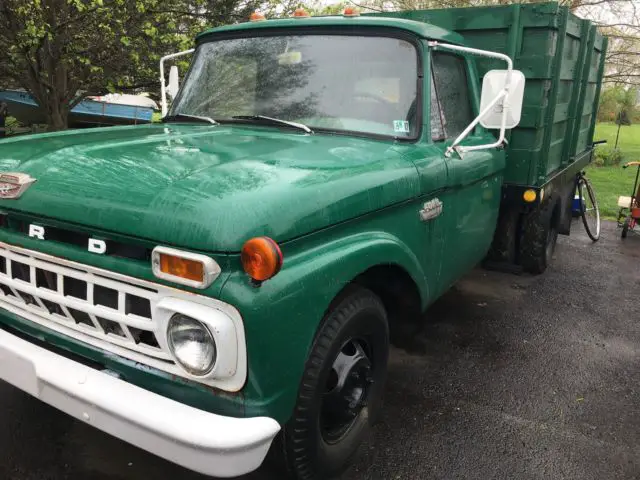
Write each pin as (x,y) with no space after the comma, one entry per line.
(88,113)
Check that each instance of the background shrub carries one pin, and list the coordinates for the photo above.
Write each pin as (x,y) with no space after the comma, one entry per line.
(608,157)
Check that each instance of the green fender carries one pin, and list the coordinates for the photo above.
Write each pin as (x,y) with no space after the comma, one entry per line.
(282,315)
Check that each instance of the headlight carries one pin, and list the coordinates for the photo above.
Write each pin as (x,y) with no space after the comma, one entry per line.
(192,344)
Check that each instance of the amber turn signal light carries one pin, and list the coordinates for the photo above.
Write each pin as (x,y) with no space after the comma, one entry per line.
(529,195)
(257,17)
(350,12)
(261,258)
(182,267)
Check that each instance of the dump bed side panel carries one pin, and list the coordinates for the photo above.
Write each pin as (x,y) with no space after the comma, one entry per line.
(561,56)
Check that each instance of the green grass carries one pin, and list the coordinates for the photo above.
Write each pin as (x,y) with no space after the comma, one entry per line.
(628,143)
(611,182)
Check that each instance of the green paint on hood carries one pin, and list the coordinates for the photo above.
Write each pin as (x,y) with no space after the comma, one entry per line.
(207,188)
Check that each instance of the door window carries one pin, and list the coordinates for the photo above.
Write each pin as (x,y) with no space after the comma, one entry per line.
(437,122)
(450,102)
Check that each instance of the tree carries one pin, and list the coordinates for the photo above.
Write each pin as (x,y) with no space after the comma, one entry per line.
(626,99)
(318,8)
(608,107)
(61,51)
(617,19)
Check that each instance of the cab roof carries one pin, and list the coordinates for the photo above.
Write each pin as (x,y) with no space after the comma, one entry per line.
(420,29)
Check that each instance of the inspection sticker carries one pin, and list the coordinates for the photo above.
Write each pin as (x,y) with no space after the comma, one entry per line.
(401,126)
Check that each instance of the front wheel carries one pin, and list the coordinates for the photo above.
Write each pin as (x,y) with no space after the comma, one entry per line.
(341,389)
(589,209)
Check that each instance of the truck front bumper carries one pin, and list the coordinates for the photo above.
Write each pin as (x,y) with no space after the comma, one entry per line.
(201,441)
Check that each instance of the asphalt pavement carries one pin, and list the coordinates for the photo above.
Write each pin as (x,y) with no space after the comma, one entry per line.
(512,377)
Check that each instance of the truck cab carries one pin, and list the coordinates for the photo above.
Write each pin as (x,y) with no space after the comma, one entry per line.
(228,282)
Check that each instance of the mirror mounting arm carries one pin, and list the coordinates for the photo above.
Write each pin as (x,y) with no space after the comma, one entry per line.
(472,125)
(163,85)
(504,94)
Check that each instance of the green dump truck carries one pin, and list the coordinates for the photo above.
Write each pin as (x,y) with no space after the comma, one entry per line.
(227,283)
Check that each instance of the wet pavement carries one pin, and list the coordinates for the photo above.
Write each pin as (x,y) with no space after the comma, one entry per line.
(513,377)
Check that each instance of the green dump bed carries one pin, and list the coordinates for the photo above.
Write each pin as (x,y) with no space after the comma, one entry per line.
(562,57)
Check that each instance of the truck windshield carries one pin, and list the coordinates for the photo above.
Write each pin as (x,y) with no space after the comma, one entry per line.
(338,83)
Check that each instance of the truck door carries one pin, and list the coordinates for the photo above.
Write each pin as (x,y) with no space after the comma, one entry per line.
(474,180)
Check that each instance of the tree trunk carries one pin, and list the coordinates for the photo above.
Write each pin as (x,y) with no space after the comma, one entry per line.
(57,115)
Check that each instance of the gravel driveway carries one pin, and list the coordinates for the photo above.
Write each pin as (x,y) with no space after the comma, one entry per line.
(513,377)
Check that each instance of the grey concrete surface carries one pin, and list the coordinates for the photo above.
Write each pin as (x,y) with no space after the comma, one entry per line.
(513,377)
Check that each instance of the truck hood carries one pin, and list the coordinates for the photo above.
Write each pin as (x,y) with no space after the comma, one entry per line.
(207,188)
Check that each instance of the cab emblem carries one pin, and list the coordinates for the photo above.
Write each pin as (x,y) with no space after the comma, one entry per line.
(431,210)
(13,184)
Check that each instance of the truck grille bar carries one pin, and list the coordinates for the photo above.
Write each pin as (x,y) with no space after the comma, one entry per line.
(112,311)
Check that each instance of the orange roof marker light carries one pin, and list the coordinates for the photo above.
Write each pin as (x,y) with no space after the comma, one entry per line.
(300,13)
(257,17)
(350,12)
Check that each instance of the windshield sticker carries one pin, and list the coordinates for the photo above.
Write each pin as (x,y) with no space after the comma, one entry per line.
(401,126)
(290,58)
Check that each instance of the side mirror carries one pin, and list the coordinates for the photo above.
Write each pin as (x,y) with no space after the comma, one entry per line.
(492,85)
(174,82)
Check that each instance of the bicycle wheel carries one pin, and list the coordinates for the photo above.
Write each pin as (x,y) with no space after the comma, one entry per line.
(589,209)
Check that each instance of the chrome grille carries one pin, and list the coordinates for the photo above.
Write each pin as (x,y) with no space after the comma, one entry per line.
(115,312)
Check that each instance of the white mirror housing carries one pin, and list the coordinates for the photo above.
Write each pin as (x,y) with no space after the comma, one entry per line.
(174,82)
(493,85)
(500,87)
(173,86)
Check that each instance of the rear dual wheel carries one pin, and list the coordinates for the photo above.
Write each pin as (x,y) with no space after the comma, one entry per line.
(539,236)
(340,394)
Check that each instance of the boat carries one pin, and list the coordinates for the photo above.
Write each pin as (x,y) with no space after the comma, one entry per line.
(111,109)
(141,100)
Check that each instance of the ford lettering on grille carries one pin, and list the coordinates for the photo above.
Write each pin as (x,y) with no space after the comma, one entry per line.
(95,245)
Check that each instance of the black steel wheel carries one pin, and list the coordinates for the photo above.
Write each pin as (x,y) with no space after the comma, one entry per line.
(341,389)
(347,390)
(589,208)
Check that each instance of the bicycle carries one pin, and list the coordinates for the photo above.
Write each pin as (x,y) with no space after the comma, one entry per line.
(589,210)
(629,214)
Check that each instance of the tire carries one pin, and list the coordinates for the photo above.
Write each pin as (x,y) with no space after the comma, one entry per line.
(625,228)
(593,230)
(539,236)
(314,444)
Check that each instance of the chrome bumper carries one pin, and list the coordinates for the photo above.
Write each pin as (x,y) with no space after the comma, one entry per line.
(201,441)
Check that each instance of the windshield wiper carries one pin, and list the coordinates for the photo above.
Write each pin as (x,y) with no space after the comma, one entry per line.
(198,118)
(262,118)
